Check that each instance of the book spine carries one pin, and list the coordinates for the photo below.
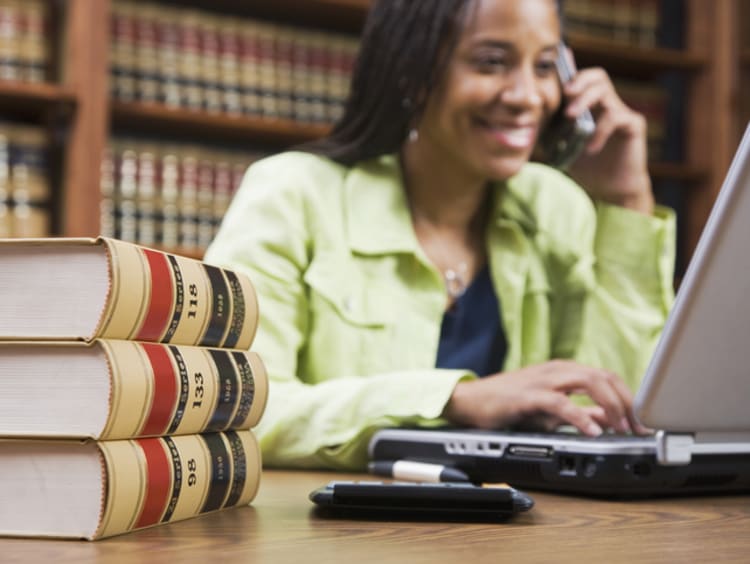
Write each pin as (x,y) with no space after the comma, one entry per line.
(177,390)
(164,479)
(161,297)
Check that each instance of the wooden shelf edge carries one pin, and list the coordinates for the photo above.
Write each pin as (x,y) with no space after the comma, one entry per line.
(342,15)
(355,6)
(36,93)
(677,171)
(157,117)
(655,58)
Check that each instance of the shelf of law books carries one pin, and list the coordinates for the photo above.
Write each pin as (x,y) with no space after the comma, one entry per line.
(220,77)
(222,65)
(641,44)
(24,43)
(25,194)
(169,195)
(26,92)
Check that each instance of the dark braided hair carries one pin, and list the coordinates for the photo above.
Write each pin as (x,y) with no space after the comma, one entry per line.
(405,47)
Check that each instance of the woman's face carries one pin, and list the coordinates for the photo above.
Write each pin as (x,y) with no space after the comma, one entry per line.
(499,88)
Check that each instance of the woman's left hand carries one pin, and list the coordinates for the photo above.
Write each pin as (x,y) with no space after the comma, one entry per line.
(614,167)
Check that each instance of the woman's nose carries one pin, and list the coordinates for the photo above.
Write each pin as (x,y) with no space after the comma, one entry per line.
(521,88)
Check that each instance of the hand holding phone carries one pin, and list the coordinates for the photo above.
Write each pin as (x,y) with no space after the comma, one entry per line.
(565,138)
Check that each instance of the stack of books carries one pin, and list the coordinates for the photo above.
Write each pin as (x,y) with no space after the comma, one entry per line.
(127,388)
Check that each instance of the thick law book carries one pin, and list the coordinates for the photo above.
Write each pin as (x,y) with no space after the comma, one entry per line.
(77,288)
(96,489)
(115,389)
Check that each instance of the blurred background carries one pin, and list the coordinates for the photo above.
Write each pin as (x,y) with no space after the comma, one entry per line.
(136,119)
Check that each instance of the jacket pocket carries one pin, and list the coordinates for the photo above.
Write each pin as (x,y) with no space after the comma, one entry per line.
(348,335)
(342,288)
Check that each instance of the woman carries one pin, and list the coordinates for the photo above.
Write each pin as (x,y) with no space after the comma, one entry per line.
(415,269)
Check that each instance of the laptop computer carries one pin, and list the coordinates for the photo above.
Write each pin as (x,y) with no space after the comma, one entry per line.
(696,392)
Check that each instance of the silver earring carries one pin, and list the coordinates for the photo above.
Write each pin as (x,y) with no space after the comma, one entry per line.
(413,135)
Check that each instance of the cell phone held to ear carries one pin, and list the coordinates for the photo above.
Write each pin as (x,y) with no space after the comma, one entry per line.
(564,138)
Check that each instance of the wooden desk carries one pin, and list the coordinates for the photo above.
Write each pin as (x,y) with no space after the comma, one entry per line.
(279,528)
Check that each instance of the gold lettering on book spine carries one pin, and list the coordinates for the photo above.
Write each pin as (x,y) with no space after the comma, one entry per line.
(253,464)
(132,388)
(196,475)
(190,481)
(202,390)
(197,302)
(249,317)
(260,392)
(130,298)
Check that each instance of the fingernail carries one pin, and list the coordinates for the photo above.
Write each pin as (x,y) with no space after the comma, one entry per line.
(624,426)
(593,429)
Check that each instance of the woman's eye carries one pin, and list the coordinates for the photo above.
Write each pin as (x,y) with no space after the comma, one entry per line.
(490,62)
(545,68)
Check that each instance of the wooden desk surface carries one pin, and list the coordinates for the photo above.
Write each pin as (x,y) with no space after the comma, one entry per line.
(279,528)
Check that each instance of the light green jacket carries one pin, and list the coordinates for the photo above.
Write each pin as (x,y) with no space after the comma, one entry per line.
(351,307)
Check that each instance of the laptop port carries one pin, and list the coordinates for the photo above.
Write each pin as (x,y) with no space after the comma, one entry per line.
(531,451)
(567,465)
(641,469)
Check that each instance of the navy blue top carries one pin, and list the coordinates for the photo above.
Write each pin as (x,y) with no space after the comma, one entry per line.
(471,334)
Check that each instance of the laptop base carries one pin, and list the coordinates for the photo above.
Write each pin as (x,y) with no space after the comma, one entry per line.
(615,466)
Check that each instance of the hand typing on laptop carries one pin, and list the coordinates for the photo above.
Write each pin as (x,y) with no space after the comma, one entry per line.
(538,397)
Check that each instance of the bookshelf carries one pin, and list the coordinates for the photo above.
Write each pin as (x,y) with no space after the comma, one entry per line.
(153,117)
(75,104)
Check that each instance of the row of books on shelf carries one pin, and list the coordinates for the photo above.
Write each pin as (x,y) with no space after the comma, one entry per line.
(169,195)
(633,22)
(649,99)
(24,47)
(186,58)
(25,193)
(128,392)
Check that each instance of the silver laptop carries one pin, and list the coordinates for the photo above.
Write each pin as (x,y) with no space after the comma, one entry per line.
(696,391)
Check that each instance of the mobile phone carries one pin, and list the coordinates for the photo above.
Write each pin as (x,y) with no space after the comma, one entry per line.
(419,500)
(564,138)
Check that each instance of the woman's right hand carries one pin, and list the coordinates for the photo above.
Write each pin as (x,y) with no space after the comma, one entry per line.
(539,397)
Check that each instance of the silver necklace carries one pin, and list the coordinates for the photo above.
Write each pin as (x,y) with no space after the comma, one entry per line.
(456,280)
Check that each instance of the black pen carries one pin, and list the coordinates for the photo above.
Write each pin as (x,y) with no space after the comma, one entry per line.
(417,471)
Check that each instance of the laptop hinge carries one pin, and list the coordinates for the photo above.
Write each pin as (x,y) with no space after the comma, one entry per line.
(675,449)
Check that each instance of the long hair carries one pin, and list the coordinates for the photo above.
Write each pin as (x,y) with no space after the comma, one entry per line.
(405,48)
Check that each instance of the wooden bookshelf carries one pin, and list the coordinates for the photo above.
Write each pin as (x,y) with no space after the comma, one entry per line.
(216,126)
(635,60)
(678,171)
(79,106)
(35,96)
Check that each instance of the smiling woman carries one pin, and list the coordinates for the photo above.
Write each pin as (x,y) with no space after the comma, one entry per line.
(414,268)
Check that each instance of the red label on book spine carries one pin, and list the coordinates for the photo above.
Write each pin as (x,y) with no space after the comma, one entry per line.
(162,297)
(158,482)
(165,390)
